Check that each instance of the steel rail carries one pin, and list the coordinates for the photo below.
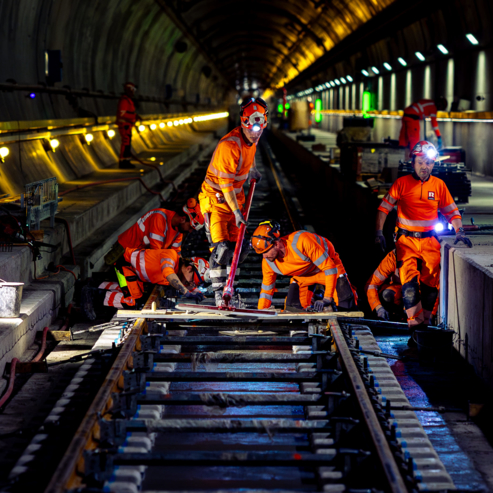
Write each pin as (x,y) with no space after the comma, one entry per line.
(394,478)
(68,473)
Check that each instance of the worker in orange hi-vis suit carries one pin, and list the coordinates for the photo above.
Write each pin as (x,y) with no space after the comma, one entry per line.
(418,197)
(384,288)
(424,108)
(309,259)
(126,117)
(222,196)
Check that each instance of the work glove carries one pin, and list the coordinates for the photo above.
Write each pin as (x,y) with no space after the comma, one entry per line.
(461,236)
(382,313)
(327,305)
(439,143)
(255,175)
(195,295)
(239,219)
(380,240)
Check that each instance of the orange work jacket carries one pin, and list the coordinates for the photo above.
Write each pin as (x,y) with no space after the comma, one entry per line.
(126,111)
(388,272)
(418,202)
(229,166)
(307,254)
(424,108)
(153,230)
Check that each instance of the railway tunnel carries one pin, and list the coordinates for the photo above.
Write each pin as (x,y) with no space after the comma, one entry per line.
(111,111)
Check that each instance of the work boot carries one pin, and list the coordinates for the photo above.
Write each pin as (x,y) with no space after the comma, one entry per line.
(126,164)
(236,301)
(219,297)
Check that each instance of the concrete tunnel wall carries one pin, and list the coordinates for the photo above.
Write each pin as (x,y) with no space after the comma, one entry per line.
(103,44)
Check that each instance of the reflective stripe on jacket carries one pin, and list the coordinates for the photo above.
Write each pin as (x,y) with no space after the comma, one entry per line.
(307,254)
(153,230)
(387,269)
(424,108)
(418,202)
(229,166)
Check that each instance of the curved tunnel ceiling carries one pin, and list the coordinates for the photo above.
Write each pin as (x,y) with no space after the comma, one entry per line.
(268,43)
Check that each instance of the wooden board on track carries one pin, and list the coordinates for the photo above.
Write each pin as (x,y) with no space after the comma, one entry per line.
(180,315)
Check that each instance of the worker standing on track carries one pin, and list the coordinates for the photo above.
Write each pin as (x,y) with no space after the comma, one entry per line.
(410,129)
(418,197)
(126,117)
(222,196)
(306,257)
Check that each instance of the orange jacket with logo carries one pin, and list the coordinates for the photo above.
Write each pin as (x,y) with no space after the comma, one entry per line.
(424,108)
(418,202)
(307,254)
(387,269)
(126,111)
(229,166)
(153,230)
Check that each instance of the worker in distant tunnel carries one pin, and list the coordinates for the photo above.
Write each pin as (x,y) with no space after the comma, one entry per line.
(424,108)
(222,196)
(126,117)
(177,275)
(418,198)
(309,259)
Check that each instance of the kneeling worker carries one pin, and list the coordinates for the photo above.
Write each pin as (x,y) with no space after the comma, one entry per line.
(418,197)
(384,288)
(309,259)
(222,196)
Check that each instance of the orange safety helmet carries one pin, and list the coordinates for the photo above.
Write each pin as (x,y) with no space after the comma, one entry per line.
(424,148)
(265,235)
(254,113)
(192,210)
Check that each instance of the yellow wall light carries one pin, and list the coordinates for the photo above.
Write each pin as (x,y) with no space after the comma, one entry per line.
(170,124)
(153,126)
(111,133)
(161,125)
(54,144)
(142,128)
(4,152)
(89,138)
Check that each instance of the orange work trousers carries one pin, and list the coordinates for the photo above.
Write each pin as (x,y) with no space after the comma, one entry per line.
(222,224)
(305,282)
(152,265)
(410,131)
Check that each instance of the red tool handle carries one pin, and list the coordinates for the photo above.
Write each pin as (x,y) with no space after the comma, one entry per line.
(228,289)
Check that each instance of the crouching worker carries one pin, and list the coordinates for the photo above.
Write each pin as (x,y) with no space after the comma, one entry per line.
(222,197)
(309,259)
(179,276)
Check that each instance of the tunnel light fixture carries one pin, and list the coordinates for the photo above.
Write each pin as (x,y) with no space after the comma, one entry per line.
(152,158)
(343,80)
(443,49)
(161,125)
(472,39)
(89,138)
(387,66)
(420,56)
(365,73)
(180,122)
(153,126)
(170,124)
(142,128)
(175,123)
(337,82)
(402,61)
(110,133)
(327,85)
(54,144)
(213,116)
(375,70)
(332,83)
(4,152)
(349,78)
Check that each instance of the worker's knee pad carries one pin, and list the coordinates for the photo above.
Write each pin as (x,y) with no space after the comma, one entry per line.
(245,250)
(345,295)
(387,295)
(222,253)
(293,298)
(219,276)
(428,297)
(410,294)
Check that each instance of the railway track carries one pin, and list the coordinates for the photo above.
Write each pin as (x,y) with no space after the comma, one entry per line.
(229,405)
